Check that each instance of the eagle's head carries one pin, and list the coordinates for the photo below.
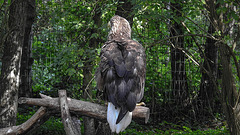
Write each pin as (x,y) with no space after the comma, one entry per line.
(119,27)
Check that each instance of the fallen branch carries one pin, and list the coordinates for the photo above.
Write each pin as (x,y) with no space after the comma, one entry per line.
(20,129)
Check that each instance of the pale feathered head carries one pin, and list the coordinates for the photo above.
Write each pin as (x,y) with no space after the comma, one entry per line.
(119,27)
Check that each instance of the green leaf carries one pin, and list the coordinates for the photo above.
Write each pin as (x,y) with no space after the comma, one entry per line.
(94,35)
(2,1)
(71,71)
(203,1)
(234,15)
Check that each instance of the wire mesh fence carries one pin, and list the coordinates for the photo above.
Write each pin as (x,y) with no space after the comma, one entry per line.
(62,33)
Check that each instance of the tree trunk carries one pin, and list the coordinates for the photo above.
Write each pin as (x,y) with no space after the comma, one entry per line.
(229,92)
(10,72)
(179,77)
(89,123)
(89,127)
(25,88)
(208,93)
(124,9)
(3,25)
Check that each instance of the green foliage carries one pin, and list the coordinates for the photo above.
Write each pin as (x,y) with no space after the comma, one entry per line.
(51,127)
(21,118)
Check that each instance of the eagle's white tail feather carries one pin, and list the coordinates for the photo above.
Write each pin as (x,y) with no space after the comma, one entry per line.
(112,114)
(124,122)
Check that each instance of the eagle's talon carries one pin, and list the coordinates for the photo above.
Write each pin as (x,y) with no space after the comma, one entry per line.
(141,104)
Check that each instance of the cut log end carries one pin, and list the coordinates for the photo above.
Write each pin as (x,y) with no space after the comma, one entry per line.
(141,113)
(22,100)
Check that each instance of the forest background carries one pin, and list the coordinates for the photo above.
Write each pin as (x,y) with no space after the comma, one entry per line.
(192,47)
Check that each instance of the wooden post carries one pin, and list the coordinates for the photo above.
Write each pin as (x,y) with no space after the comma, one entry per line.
(69,126)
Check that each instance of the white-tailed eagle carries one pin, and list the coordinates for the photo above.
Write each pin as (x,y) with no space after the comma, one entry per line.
(121,73)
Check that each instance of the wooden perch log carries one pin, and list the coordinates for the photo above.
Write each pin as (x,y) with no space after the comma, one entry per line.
(84,108)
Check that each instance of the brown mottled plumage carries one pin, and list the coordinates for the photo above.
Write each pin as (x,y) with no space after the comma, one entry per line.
(121,71)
